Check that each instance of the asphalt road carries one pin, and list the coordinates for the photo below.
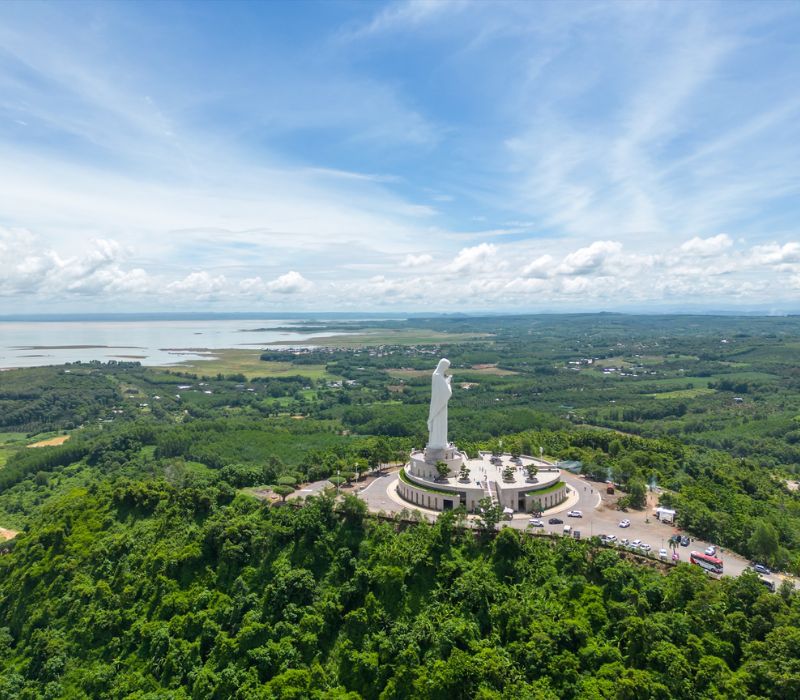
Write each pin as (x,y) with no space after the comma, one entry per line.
(599,518)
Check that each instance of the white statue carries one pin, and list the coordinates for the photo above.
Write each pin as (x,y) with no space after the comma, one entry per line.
(440,395)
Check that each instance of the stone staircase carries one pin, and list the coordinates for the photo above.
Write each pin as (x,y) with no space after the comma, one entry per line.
(490,491)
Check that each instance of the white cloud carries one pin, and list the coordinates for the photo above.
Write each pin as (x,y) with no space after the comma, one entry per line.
(591,259)
(290,283)
(707,247)
(31,268)
(416,260)
(477,258)
(403,14)
(775,254)
(541,267)
(198,285)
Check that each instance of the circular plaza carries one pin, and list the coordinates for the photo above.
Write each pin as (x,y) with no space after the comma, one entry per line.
(450,479)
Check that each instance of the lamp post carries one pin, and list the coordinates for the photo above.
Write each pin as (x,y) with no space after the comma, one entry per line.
(337,481)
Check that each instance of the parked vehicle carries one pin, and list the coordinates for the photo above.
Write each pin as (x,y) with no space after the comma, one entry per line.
(575,514)
(567,529)
(665,515)
(625,523)
(708,562)
(645,547)
(535,522)
(684,541)
(635,544)
(711,550)
(761,569)
(623,542)
(768,582)
(662,554)
(555,521)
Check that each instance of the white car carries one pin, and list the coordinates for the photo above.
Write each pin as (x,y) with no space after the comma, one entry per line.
(645,547)
(711,550)
(625,523)
(662,553)
(575,514)
(636,544)
(535,522)
(623,542)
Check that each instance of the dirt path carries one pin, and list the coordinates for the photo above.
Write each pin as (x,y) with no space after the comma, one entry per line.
(7,534)
(58,440)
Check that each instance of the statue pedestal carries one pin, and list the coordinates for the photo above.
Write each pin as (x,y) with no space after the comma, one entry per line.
(426,467)
(441,454)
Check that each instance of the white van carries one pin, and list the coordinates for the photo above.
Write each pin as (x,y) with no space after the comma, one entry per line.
(567,529)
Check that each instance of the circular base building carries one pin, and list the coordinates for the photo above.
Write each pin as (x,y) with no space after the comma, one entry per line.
(444,479)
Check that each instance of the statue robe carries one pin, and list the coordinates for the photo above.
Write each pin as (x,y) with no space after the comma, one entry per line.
(437,416)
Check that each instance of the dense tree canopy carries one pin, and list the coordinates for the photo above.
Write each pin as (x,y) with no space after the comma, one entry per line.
(145,590)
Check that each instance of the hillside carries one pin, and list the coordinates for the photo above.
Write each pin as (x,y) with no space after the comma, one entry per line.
(146,590)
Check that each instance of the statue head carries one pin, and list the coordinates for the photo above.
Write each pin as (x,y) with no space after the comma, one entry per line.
(444,363)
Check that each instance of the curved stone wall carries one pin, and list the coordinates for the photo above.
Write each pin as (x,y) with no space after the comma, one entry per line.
(420,487)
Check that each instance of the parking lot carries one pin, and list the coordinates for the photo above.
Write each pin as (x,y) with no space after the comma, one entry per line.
(600,518)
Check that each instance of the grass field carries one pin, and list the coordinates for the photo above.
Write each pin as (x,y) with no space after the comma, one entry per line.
(13,438)
(675,383)
(684,393)
(389,337)
(460,374)
(649,360)
(248,363)
(613,362)
(10,443)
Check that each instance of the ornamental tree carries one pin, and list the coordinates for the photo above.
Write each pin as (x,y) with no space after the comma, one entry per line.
(282,490)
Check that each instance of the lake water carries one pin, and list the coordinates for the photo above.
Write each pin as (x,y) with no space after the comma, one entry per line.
(151,342)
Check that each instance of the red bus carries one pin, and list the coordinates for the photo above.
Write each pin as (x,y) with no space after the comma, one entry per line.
(711,564)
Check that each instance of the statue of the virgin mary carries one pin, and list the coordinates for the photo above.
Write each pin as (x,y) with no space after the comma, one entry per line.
(437,417)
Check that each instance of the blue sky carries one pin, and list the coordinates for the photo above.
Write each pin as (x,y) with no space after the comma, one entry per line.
(403,155)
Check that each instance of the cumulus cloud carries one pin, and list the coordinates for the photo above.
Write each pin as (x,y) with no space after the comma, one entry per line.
(539,268)
(416,260)
(775,254)
(198,284)
(290,283)
(707,247)
(31,268)
(591,259)
(475,259)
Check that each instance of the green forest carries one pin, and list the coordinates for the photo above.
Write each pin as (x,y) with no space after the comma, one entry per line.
(145,590)
(146,567)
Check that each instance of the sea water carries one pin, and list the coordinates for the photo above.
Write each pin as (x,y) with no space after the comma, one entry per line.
(159,341)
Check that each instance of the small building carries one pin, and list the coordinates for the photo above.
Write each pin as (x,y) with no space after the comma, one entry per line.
(665,515)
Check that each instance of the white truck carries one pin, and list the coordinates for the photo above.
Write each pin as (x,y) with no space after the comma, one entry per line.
(665,515)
